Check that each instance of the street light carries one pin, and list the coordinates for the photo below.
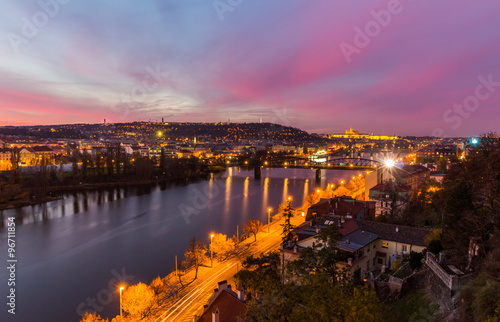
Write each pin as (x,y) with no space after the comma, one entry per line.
(269,218)
(211,251)
(389,163)
(121,289)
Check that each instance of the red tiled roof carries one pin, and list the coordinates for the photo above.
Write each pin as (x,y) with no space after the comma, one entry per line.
(230,308)
(348,227)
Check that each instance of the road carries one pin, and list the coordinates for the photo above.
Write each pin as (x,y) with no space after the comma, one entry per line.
(197,294)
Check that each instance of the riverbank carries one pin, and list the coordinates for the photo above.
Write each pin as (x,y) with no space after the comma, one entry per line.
(196,292)
(55,191)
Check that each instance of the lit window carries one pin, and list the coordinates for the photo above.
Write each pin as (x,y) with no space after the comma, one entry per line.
(385,244)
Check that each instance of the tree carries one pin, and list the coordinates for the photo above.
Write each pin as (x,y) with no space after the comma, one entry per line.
(195,254)
(221,246)
(310,200)
(260,273)
(163,164)
(351,303)
(109,159)
(305,150)
(321,258)
(74,163)
(85,163)
(287,226)
(163,291)
(92,317)
(138,301)
(416,260)
(118,158)
(253,226)
(15,159)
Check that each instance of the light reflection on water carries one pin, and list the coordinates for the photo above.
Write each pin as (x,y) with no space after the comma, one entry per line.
(69,246)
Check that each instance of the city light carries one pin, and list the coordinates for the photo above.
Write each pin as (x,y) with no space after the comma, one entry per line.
(389,163)
(121,289)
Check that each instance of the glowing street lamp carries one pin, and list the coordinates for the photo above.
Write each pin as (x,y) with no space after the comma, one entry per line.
(121,290)
(268,218)
(317,190)
(389,163)
(211,251)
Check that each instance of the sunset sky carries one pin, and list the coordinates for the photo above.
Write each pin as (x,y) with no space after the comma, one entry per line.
(284,61)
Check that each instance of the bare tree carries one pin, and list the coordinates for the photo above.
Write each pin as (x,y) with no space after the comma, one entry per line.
(195,255)
(253,226)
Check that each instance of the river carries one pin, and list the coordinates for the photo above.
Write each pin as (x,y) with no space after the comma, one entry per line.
(72,251)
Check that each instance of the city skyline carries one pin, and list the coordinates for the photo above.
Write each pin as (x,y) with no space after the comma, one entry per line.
(394,67)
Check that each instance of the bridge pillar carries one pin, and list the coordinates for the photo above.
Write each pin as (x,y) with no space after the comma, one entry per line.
(257,172)
(318,174)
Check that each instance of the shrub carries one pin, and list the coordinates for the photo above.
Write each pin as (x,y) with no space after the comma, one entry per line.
(396,265)
(416,260)
(435,246)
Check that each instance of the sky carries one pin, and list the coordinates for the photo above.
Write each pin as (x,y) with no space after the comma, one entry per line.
(385,67)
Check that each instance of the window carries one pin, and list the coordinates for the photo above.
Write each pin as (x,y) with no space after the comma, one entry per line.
(405,248)
(385,245)
(380,261)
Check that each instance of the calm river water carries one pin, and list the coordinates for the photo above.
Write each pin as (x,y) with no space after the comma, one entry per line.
(73,250)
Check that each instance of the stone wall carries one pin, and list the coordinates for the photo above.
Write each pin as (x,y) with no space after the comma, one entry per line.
(453,282)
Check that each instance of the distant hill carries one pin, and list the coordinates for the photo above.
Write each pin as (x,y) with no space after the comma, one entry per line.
(208,131)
